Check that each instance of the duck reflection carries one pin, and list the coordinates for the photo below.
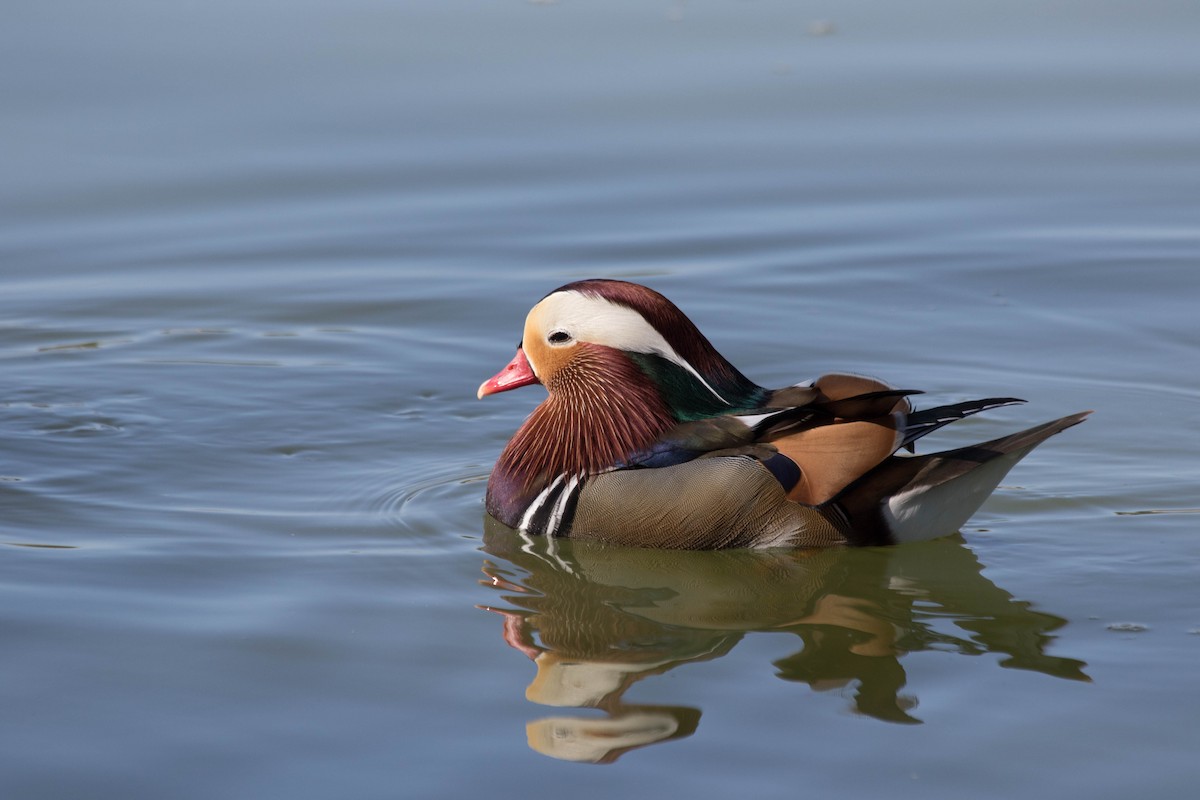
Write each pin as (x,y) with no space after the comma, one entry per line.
(596,619)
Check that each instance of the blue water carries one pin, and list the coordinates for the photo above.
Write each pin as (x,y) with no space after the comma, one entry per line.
(255,259)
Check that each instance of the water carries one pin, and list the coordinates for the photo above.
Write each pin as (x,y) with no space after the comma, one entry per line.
(254,261)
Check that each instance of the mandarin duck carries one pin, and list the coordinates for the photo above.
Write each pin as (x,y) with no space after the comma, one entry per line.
(650,438)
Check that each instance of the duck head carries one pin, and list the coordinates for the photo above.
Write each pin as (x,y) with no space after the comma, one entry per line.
(622,365)
(590,331)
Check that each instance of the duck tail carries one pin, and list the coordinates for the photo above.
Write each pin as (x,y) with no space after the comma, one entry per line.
(913,498)
(920,423)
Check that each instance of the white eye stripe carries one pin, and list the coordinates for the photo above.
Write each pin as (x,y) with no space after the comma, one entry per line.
(594,319)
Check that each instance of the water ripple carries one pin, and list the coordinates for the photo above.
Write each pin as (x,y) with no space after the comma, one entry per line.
(444,497)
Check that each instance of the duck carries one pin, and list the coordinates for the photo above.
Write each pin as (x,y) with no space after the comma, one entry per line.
(650,438)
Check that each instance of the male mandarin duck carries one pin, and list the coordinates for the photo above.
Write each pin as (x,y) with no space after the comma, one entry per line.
(650,438)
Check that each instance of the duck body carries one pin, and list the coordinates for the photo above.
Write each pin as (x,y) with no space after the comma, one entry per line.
(650,438)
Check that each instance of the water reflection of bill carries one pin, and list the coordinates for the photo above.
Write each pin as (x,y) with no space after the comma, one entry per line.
(595,619)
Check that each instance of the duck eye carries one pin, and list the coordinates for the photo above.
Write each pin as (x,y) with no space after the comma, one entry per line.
(559,337)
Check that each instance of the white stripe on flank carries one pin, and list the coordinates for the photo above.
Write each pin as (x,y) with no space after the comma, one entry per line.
(560,507)
(527,517)
(751,420)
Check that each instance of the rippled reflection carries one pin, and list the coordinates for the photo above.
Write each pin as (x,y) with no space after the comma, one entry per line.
(596,619)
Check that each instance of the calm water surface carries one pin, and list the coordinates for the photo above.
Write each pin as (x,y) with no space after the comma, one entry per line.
(255,259)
